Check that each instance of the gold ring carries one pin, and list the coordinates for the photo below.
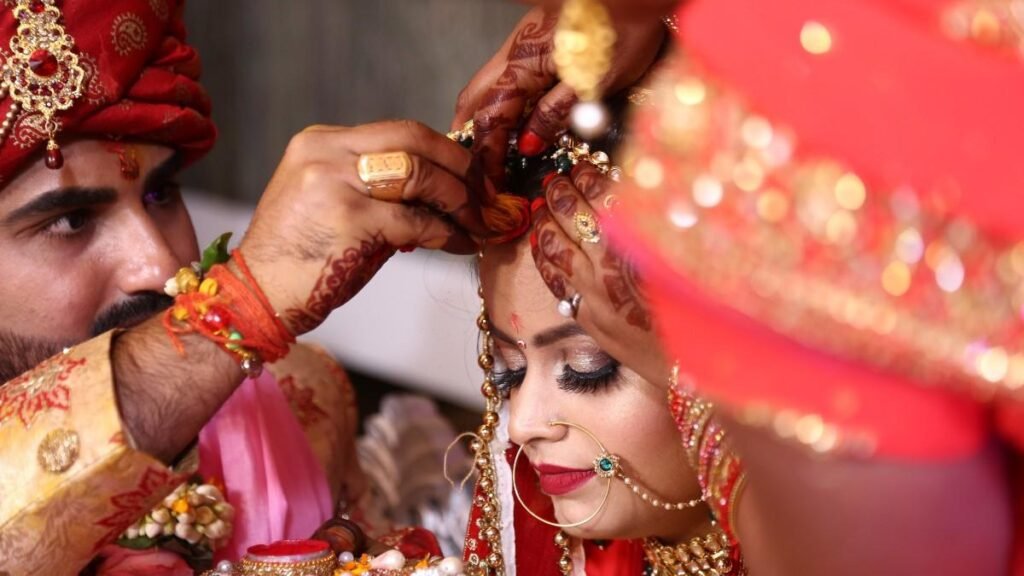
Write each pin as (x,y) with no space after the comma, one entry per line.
(385,174)
(587,228)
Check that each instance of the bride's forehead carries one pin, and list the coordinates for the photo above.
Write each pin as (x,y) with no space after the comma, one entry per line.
(512,283)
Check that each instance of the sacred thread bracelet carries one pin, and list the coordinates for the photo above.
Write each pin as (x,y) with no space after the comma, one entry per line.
(231,311)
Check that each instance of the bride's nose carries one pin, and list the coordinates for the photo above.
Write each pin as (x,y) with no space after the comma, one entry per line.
(532,408)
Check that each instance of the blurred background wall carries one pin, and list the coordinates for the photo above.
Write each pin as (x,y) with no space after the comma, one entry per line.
(274,67)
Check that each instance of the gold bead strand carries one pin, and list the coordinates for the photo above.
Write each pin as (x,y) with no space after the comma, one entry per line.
(489,523)
(565,562)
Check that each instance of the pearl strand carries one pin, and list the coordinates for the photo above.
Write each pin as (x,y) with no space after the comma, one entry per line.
(8,122)
(656,502)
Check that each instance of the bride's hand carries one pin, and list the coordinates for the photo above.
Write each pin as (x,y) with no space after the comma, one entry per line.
(523,73)
(611,304)
(318,236)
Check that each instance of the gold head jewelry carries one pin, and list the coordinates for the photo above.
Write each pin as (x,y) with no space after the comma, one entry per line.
(584,46)
(43,74)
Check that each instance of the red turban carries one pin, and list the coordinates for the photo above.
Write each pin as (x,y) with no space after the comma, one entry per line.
(141,81)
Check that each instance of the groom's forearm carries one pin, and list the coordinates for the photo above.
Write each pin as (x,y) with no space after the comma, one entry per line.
(166,397)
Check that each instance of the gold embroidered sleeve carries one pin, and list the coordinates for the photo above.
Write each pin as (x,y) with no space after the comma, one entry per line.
(323,400)
(69,480)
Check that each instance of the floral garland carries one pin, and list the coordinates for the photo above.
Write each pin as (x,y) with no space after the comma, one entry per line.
(394,562)
(193,522)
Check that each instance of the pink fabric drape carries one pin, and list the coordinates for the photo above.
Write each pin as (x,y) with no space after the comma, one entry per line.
(260,451)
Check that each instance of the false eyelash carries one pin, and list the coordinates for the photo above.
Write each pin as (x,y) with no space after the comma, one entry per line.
(588,382)
(506,380)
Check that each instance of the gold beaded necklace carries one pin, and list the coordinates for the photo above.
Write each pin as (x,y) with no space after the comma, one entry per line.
(708,555)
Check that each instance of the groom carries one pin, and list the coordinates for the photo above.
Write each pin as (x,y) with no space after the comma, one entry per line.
(100,409)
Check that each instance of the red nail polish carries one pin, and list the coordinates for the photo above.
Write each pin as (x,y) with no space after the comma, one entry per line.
(547,179)
(536,205)
(530,144)
(533,241)
(407,248)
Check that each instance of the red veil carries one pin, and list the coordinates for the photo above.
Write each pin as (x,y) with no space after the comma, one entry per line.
(830,190)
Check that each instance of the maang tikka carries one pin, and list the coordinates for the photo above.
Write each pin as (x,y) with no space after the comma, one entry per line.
(43,74)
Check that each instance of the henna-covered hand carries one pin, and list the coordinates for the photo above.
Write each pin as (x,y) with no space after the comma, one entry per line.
(318,237)
(613,308)
(342,278)
(522,74)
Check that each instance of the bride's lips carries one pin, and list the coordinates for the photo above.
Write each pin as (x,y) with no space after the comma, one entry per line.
(557,480)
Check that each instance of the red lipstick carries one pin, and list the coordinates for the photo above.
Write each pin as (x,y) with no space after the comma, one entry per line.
(558,481)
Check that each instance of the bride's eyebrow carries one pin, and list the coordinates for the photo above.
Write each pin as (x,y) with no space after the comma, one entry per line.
(545,338)
(558,333)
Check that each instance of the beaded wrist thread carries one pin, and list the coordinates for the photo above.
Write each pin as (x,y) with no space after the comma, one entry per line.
(233,312)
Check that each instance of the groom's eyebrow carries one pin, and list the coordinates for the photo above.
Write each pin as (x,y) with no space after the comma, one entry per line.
(62,200)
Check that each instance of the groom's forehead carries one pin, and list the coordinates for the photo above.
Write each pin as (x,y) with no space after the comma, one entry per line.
(93,173)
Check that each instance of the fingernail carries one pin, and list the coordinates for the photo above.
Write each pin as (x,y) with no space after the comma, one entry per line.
(530,144)
(533,241)
(536,205)
(547,179)
(407,248)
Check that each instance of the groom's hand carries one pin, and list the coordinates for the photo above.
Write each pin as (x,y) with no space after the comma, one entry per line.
(320,233)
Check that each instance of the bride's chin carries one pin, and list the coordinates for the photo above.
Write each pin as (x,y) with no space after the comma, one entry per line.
(596,529)
(592,531)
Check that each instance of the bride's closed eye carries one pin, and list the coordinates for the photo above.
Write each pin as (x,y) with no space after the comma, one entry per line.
(588,382)
(571,379)
(506,380)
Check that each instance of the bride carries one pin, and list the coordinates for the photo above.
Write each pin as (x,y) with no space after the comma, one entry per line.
(586,468)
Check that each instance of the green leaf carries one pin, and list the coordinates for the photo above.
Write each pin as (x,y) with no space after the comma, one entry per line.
(137,543)
(216,252)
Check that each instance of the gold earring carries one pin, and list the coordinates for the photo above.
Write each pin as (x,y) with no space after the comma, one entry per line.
(583,52)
